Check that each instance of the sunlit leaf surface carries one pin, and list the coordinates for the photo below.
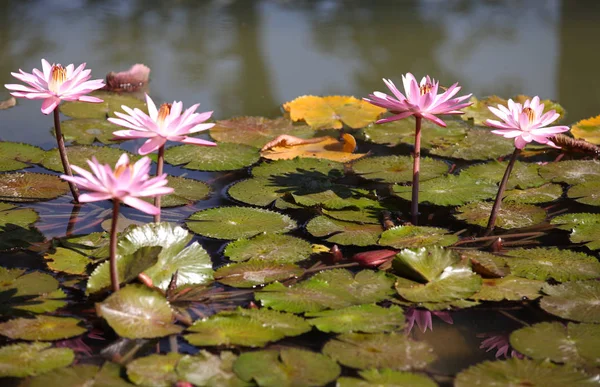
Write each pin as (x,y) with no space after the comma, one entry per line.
(20,360)
(386,377)
(255,272)
(397,169)
(269,248)
(510,215)
(287,147)
(14,155)
(223,157)
(576,301)
(112,102)
(367,318)
(42,328)
(31,187)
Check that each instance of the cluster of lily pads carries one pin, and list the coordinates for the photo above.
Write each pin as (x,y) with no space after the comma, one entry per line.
(310,272)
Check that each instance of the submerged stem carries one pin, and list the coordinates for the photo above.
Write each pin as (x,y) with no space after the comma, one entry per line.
(159,171)
(414,205)
(501,189)
(114,273)
(63,155)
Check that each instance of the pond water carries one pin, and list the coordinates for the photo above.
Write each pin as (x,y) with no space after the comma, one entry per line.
(247,58)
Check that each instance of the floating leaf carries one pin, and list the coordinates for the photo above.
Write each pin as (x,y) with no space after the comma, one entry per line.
(287,147)
(269,248)
(20,360)
(111,102)
(15,155)
(329,168)
(78,155)
(523,175)
(416,236)
(509,288)
(571,171)
(238,222)
(256,131)
(379,350)
(155,370)
(424,264)
(187,191)
(542,194)
(88,130)
(344,233)
(44,303)
(586,193)
(588,130)
(386,377)
(331,289)
(486,264)
(80,375)
(206,369)
(17,216)
(521,372)
(450,190)
(253,273)
(31,187)
(479,111)
(247,327)
(223,157)
(255,191)
(35,292)
(67,261)
(364,215)
(286,367)
(576,301)
(546,263)
(331,111)
(510,215)
(42,328)
(584,228)
(478,144)
(8,103)
(397,169)
(136,311)
(577,344)
(368,318)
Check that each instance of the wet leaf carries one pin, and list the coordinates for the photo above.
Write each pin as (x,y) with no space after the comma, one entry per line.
(368,318)
(42,328)
(253,273)
(44,303)
(112,102)
(187,191)
(223,157)
(332,111)
(206,369)
(286,367)
(20,360)
(31,187)
(478,144)
(328,168)
(15,155)
(588,130)
(486,264)
(35,292)
(286,147)
(586,193)
(94,245)
(17,216)
(255,191)
(86,131)
(269,248)
(510,215)
(67,261)
(424,264)
(379,350)
(509,288)
(386,378)
(455,283)
(576,300)
(560,265)
(155,370)
(397,169)
(479,110)
(584,228)
(363,215)
(331,289)
(136,312)
(571,171)
(416,236)
(80,375)
(344,233)
(523,175)
(542,194)
(79,154)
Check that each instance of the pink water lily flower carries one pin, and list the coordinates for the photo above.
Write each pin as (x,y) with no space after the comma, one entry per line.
(56,83)
(127,183)
(421,100)
(526,123)
(166,123)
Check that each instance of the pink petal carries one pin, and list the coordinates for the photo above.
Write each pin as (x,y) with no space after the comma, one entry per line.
(152,145)
(197,141)
(520,142)
(94,197)
(50,104)
(434,119)
(141,205)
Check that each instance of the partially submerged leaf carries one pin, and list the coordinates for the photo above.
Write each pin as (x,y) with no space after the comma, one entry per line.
(584,228)
(486,264)
(86,131)
(576,300)
(397,169)
(416,236)
(368,318)
(254,272)
(287,147)
(17,216)
(42,328)
(20,360)
(31,187)
(511,288)
(586,193)
(269,248)
(79,154)
(510,215)
(223,157)
(344,233)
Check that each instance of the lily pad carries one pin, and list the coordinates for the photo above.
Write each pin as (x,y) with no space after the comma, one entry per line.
(20,360)
(511,288)
(206,369)
(588,130)
(247,327)
(331,289)
(510,215)
(80,375)
(344,233)
(386,378)
(364,215)
(286,147)
(42,328)
(571,171)
(17,216)
(332,169)
(15,155)
(455,283)
(269,248)
(560,265)
(13,237)
(223,157)
(86,131)
(397,169)
(586,193)
(367,318)
(286,367)
(35,292)
(136,312)
(155,370)
(111,102)
(543,194)
(522,372)
(479,111)
(577,300)
(31,187)
(416,236)
(424,264)
(79,154)
(585,228)
(523,175)
(577,344)
(253,273)
(67,261)
(187,191)
(478,144)
(238,222)
(486,264)
(379,350)
(255,191)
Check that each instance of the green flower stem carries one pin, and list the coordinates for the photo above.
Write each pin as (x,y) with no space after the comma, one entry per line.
(501,189)
(114,273)
(414,205)
(63,154)
(159,171)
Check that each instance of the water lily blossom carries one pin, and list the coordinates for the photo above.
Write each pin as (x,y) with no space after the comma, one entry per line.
(526,122)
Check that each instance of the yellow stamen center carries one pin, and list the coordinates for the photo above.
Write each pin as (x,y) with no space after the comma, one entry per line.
(530,114)
(426,88)
(121,168)
(163,112)
(58,75)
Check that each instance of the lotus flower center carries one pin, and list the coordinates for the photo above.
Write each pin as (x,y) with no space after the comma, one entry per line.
(426,88)
(122,168)
(58,75)
(530,114)
(163,112)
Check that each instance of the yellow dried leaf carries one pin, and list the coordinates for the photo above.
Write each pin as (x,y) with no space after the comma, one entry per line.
(588,130)
(288,147)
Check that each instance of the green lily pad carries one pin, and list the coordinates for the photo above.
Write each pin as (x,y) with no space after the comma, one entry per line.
(31,187)
(397,169)
(571,171)
(136,311)
(522,372)
(253,273)
(247,327)
(257,131)
(187,191)
(450,190)
(93,245)
(379,350)
(486,264)
(43,328)
(299,165)
(337,198)
(386,378)
(67,261)
(20,360)
(331,289)
(587,129)
(111,102)
(424,264)
(560,265)
(577,300)
(13,237)
(80,375)
(479,111)
(522,176)
(35,292)
(363,215)
(416,236)
(155,370)
(16,155)
(344,233)
(585,228)
(511,288)
(478,144)
(586,193)
(206,369)
(269,248)
(510,215)
(255,191)
(223,157)
(18,216)
(543,194)
(454,283)
(44,303)
(79,154)
(238,222)
(577,344)
(368,318)
(86,131)
(286,367)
